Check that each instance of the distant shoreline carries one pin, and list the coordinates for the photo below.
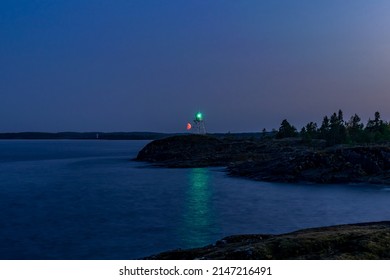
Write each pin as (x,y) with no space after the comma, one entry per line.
(82,136)
(102,135)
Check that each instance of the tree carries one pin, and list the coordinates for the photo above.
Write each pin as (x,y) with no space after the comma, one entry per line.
(354,129)
(340,117)
(376,124)
(377,120)
(303,132)
(335,130)
(325,128)
(286,130)
(377,129)
(311,129)
(337,133)
(309,132)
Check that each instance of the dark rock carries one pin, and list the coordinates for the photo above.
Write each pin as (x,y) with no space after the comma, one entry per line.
(287,160)
(357,241)
(342,165)
(196,151)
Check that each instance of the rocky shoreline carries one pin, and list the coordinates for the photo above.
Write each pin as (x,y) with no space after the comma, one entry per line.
(287,160)
(271,160)
(357,241)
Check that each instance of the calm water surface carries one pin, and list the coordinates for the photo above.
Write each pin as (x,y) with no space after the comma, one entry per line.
(87,200)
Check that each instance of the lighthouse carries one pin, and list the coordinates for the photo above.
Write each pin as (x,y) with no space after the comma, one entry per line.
(199,123)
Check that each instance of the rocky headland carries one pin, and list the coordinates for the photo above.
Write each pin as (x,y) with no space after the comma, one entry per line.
(286,160)
(357,241)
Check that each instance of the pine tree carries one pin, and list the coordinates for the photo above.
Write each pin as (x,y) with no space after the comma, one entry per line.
(325,128)
(286,130)
(354,129)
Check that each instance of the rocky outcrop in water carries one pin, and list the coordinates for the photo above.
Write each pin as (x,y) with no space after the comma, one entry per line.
(198,151)
(273,160)
(358,241)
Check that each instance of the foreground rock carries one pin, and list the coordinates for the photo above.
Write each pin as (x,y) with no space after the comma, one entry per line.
(357,241)
(273,160)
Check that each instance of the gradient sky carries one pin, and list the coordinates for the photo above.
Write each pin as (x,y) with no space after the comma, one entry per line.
(143,65)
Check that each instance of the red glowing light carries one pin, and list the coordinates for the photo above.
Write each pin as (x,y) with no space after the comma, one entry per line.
(189,126)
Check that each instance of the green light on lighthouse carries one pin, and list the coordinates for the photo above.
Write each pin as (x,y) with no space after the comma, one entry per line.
(199,116)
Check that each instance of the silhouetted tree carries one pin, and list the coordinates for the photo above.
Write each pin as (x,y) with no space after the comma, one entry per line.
(355,129)
(376,124)
(309,132)
(337,133)
(340,117)
(377,129)
(286,130)
(335,130)
(311,129)
(325,128)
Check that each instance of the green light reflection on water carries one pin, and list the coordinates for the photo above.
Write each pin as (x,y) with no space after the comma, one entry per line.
(198,219)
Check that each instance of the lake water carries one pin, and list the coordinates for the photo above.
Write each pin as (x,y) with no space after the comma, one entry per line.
(88,200)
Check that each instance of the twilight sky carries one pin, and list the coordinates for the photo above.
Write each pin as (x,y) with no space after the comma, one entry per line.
(144,65)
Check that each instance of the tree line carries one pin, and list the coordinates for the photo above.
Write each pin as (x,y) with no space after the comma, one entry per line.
(335,130)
